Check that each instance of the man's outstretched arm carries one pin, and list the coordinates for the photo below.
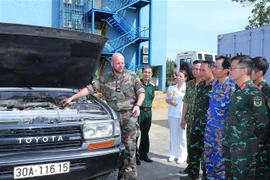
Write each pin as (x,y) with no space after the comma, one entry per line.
(85,91)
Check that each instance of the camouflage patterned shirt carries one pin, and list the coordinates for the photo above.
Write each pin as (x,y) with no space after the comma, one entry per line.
(265,88)
(220,99)
(202,104)
(189,98)
(119,92)
(247,118)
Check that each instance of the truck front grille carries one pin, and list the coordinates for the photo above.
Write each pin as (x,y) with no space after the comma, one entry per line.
(18,140)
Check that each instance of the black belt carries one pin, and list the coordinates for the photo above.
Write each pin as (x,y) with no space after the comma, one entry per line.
(145,108)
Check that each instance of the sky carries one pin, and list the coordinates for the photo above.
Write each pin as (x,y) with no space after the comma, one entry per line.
(26,12)
(195,24)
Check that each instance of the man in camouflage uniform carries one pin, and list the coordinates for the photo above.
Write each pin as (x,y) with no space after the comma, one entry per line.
(246,124)
(200,117)
(145,117)
(220,97)
(124,93)
(263,159)
(189,102)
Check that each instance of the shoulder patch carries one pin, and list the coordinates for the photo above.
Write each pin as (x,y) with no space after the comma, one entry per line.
(257,101)
(260,86)
(243,86)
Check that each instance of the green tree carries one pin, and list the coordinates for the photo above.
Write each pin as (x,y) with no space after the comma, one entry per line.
(169,69)
(155,71)
(139,73)
(260,14)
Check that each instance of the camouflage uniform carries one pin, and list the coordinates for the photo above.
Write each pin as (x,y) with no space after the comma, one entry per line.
(145,117)
(245,128)
(189,98)
(219,102)
(198,129)
(121,94)
(263,163)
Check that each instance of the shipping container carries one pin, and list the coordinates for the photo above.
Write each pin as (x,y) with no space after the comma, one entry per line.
(253,42)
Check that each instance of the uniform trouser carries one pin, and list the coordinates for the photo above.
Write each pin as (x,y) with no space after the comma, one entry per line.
(178,144)
(195,153)
(128,170)
(214,153)
(144,121)
(188,132)
(240,160)
(263,161)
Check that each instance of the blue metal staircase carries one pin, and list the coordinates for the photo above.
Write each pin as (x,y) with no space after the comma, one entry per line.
(114,6)
(118,22)
(138,34)
(111,12)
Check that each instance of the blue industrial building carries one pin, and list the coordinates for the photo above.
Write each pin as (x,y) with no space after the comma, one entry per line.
(136,28)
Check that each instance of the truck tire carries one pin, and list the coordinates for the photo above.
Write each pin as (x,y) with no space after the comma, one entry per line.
(111,176)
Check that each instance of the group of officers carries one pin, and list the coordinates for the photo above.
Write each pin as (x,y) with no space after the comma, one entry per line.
(226,113)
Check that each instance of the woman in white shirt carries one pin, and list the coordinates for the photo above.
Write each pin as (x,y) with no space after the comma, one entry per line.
(175,95)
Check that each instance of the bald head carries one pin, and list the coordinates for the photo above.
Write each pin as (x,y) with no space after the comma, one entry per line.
(117,56)
(118,63)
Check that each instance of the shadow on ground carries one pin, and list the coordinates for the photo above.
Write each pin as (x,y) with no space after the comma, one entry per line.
(163,123)
(163,169)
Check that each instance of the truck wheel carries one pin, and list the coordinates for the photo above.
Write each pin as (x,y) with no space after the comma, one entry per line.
(111,176)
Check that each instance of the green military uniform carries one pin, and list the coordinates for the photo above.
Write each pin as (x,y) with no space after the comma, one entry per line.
(145,118)
(197,133)
(121,95)
(245,128)
(189,98)
(263,163)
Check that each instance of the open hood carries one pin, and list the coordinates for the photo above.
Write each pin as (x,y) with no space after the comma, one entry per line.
(34,56)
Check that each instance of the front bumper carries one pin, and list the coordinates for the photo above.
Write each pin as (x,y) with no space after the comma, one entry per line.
(83,164)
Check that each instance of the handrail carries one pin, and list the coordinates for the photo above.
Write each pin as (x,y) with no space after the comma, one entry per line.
(110,6)
(120,20)
(120,42)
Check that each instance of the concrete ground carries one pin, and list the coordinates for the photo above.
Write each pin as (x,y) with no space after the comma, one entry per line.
(159,150)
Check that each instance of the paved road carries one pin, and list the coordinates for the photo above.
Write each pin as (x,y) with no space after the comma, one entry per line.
(159,149)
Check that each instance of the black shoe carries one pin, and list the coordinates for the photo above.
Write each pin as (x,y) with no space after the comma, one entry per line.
(138,162)
(188,178)
(146,159)
(183,171)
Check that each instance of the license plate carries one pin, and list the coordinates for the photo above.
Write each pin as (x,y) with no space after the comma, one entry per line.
(40,170)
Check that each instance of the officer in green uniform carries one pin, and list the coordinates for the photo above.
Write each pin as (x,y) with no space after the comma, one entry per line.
(263,159)
(189,103)
(247,122)
(145,117)
(196,141)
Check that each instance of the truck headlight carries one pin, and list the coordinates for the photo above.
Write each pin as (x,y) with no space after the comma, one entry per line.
(117,128)
(93,130)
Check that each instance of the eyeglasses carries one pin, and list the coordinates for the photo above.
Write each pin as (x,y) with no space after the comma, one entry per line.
(231,68)
(118,88)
